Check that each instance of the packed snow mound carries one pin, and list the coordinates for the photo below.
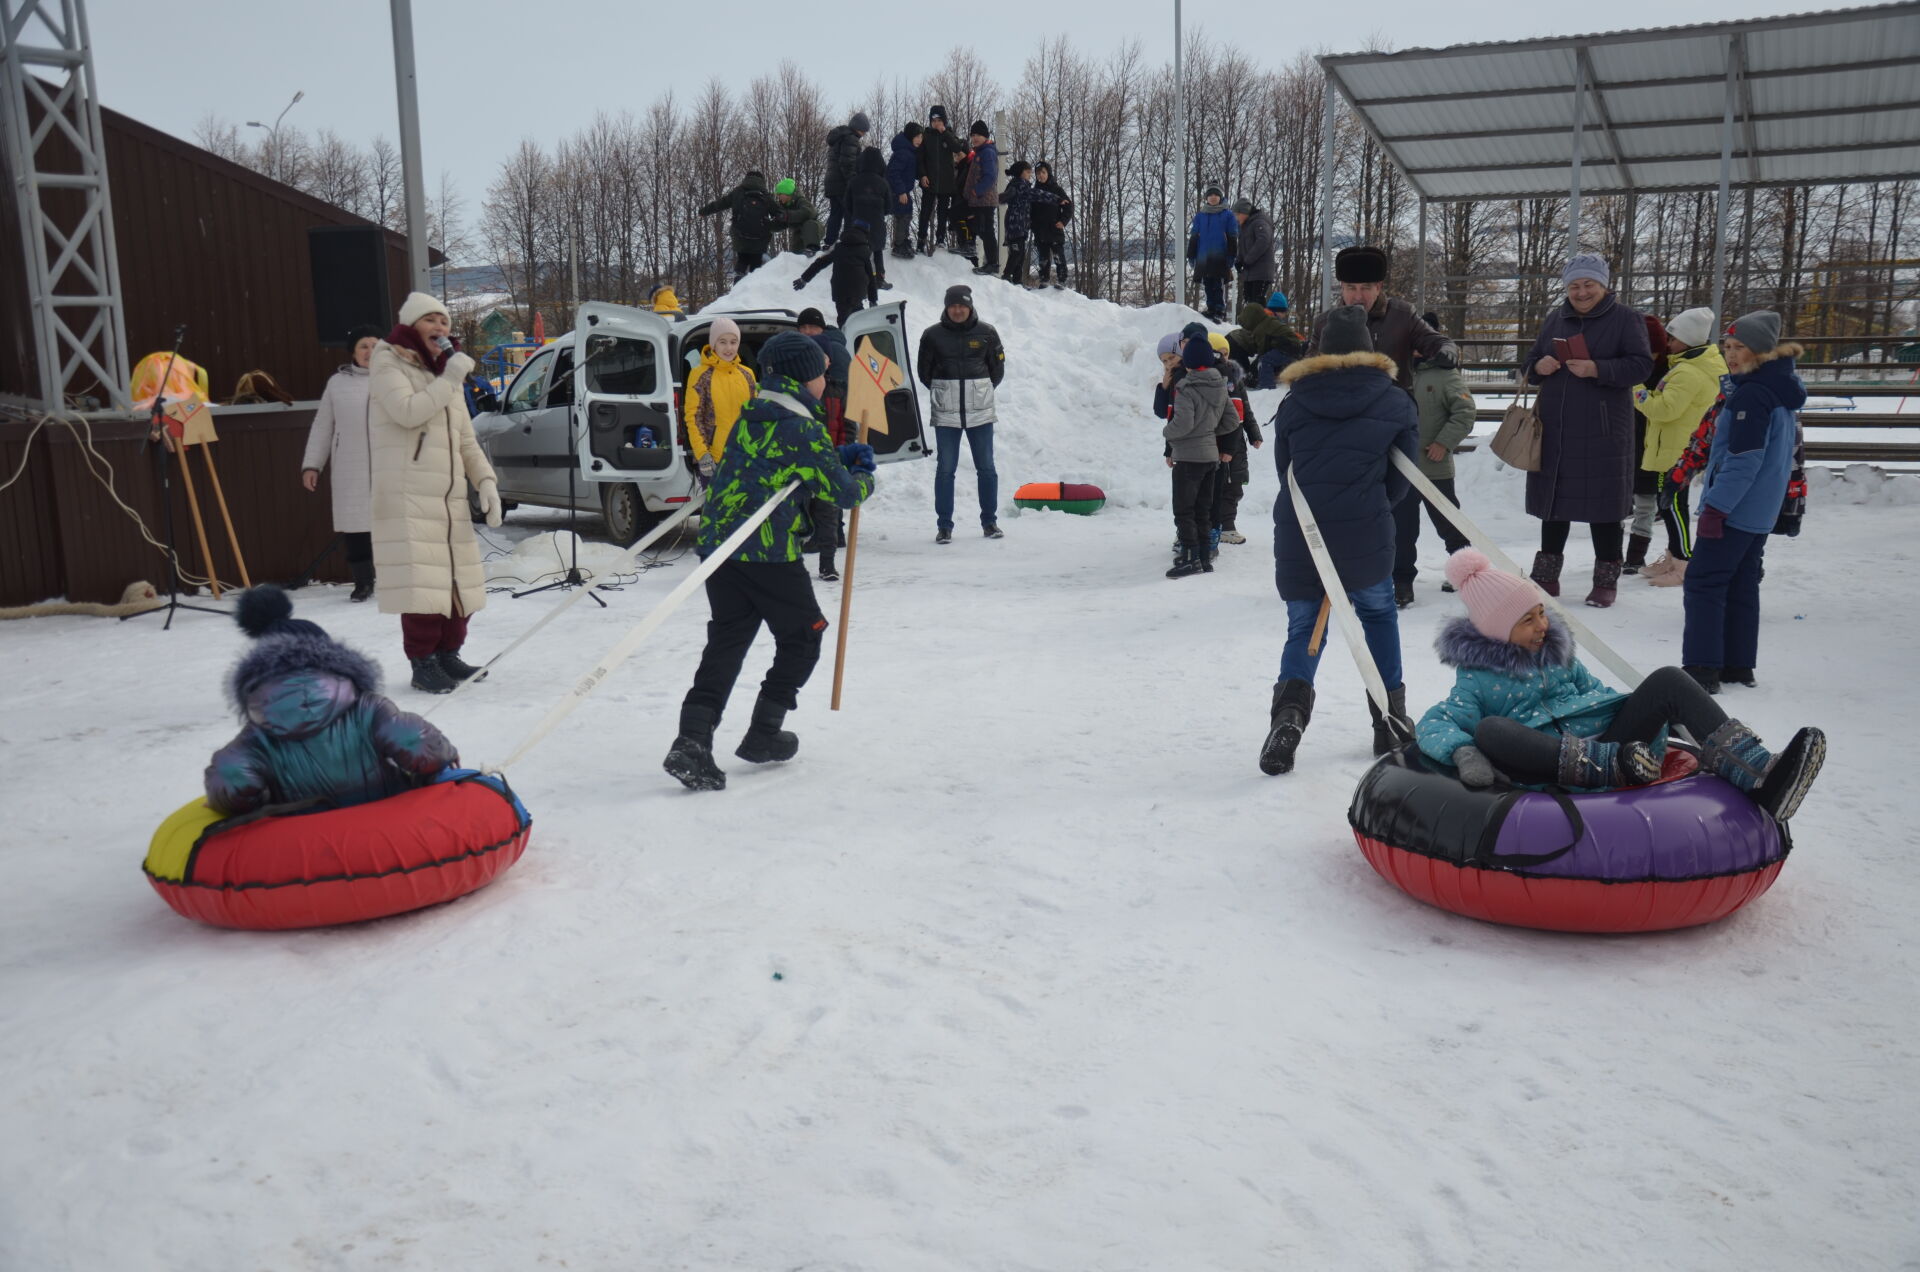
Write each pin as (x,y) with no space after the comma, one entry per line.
(1077,400)
(1866,484)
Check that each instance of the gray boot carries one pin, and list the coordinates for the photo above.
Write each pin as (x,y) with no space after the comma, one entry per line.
(1292,709)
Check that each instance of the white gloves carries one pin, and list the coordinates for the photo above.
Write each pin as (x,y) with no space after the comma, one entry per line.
(489,498)
(459,365)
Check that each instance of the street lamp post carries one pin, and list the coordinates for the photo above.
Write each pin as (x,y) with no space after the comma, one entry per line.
(274,132)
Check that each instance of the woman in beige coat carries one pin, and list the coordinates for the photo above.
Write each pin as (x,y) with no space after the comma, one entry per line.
(424,457)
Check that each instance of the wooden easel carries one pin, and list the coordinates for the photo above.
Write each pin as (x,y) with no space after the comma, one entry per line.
(188,424)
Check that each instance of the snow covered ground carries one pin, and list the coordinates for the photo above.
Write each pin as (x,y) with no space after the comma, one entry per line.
(1020,965)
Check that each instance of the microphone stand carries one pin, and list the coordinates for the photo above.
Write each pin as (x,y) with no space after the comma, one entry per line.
(572,577)
(157,432)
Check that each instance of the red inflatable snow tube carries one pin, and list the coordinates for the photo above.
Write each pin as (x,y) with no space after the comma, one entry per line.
(1686,850)
(407,852)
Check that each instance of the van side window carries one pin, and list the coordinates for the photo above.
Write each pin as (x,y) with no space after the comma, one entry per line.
(531,384)
(561,394)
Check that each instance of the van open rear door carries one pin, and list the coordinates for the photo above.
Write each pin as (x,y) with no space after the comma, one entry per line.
(880,384)
(623,393)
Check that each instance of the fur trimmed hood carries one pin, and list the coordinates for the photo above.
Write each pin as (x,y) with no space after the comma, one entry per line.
(1461,645)
(1336,362)
(1785,349)
(275,656)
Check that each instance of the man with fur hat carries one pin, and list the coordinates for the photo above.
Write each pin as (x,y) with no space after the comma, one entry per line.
(780,437)
(940,147)
(843,154)
(1213,242)
(1394,328)
(1336,430)
(1254,257)
(315,726)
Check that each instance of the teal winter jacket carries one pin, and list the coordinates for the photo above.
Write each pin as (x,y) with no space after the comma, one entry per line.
(1550,691)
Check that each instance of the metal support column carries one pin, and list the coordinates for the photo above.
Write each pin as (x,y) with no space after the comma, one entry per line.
(1180,148)
(71,263)
(1579,141)
(1627,246)
(1726,174)
(1420,285)
(1326,202)
(413,178)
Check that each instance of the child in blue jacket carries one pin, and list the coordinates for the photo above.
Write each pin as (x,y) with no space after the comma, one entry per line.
(1747,475)
(1523,705)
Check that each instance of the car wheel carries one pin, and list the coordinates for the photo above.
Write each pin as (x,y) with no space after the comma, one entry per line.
(627,515)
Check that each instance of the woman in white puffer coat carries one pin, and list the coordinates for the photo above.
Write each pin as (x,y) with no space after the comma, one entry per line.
(424,457)
(339,440)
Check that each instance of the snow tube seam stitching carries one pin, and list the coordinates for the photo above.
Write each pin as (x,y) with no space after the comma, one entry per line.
(437,863)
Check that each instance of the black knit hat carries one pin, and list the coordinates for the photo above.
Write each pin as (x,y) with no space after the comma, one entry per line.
(937,112)
(1213,192)
(1197,354)
(1346,332)
(978,128)
(792,354)
(1360,265)
(959,294)
(811,318)
(913,129)
(1192,331)
(1019,166)
(365,331)
(1244,207)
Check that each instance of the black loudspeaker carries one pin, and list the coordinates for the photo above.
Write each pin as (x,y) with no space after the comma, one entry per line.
(349,280)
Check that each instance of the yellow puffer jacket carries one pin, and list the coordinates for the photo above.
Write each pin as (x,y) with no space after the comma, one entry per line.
(726,386)
(1676,405)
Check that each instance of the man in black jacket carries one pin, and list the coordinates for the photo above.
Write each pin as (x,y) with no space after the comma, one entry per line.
(939,150)
(1392,326)
(961,361)
(843,152)
(756,215)
(853,280)
(1254,258)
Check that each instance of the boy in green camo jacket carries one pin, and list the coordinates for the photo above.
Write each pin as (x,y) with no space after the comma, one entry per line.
(780,437)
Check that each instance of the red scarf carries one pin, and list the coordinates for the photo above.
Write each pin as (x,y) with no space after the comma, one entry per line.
(405,337)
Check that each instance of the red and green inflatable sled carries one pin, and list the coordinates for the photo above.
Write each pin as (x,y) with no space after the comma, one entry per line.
(1081,500)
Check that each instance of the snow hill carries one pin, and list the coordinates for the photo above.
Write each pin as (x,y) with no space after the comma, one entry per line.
(1020,966)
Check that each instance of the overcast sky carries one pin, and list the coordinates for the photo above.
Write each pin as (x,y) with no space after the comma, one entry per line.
(493,72)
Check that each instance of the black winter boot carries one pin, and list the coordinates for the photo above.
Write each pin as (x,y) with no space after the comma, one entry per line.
(690,758)
(1391,735)
(1637,545)
(1292,709)
(1707,678)
(1187,562)
(1546,571)
(766,741)
(429,676)
(362,572)
(1402,593)
(455,667)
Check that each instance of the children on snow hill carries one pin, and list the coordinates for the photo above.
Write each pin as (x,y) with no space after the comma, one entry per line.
(1265,342)
(315,726)
(981,190)
(1749,476)
(1338,424)
(756,215)
(854,284)
(940,179)
(1018,200)
(1523,705)
(1213,240)
(781,436)
(903,174)
(1202,411)
(1051,211)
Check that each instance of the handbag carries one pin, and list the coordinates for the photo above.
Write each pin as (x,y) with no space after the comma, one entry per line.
(1517,443)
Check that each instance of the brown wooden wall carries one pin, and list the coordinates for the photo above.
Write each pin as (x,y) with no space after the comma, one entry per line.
(200,241)
(65,535)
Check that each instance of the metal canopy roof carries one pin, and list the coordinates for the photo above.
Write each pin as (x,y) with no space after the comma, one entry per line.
(1812,98)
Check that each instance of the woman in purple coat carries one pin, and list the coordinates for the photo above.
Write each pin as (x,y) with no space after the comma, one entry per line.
(1586,413)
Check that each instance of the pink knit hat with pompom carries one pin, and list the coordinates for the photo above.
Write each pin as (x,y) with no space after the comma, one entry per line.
(1495,599)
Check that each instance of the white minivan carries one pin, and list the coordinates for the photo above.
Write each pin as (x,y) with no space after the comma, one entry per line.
(593,419)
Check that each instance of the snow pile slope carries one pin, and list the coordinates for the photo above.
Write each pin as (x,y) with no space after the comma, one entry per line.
(1076,404)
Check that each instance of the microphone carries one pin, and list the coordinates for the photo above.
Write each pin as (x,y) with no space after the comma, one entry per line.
(443,344)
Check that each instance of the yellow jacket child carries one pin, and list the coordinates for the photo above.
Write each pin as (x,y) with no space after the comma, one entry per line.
(718,389)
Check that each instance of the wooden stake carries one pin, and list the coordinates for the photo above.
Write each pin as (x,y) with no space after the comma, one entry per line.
(193,505)
(1319,636)
(846,595)
(220,496)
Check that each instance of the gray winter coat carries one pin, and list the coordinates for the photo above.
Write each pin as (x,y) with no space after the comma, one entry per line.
(1586,435)
(1202,412)
(1255,258)
(339,440)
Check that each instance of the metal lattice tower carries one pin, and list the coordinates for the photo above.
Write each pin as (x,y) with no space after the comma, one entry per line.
(57,164)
